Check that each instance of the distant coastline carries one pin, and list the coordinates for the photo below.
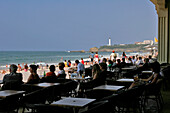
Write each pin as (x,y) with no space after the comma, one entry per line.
(122,47)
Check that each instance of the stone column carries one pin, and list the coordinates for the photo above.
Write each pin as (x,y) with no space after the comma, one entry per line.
(163,36)
(163,11)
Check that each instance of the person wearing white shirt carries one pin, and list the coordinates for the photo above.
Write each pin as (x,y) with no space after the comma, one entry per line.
(140,61)
(133,60)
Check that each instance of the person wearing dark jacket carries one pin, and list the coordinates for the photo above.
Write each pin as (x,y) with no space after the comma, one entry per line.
(12,81)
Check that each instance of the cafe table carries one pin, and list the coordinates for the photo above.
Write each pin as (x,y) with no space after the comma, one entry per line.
(127,68)
(109,87)
(7,93)
(75,103)
(125,80)
(148,72)
(44,85)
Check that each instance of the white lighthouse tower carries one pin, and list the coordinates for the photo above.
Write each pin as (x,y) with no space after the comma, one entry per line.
(109,42)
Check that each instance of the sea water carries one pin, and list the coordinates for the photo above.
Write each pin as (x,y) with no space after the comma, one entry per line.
(45,57)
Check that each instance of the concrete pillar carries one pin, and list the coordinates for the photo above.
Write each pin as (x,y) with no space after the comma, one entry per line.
(168,39)
(163,11)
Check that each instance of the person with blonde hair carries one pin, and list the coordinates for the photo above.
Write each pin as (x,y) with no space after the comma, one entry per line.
(96,71)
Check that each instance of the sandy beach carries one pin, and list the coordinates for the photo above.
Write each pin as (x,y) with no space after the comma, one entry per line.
(41,70)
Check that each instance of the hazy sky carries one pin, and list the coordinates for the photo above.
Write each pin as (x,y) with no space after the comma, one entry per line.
(58,25)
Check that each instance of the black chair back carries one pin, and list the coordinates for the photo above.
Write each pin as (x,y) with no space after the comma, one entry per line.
(43,108)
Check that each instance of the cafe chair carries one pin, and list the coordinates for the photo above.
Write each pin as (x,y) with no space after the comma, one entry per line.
(166,78)
(99,107)
(62,76)
(9,104)
(29,88)
(97,94)
(128,101)
(153,91)
(68,89)
(36,97)
(46,108)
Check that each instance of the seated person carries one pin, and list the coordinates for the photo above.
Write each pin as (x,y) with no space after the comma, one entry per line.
(140,61)
(98,80)
(96,71)
(12,81)
(61,73)
(110,64)
(129,60)
(144,67)
(33,78)
(155,68)
(104,60)
(52,72)
(103,74)
(123,63)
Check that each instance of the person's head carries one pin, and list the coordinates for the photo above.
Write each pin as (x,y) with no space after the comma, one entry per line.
(81,58)
(65,60)
(150,57)
(136,55)
(52,68)
(104,60)
(103,66)
(96,68)
(110,62)
(129,58)
(96,52)
(118,61)
(61,65)
(33,68)
(69,61)
(140,58)
(123,59)
(13,68)
(77,62)
(155,67)
(146,60)
(133,57)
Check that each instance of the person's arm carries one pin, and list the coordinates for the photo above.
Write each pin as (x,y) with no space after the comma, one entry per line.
(78,68)
(29,78)
(94,76)
(146,80)
(4,79)
(58,74)
(155,78)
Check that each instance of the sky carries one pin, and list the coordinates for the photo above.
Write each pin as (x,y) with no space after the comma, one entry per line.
(63,25)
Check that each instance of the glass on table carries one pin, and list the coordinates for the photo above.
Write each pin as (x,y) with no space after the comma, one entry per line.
(136,78)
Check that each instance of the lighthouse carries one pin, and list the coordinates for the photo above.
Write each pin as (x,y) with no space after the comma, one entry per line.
(109,42)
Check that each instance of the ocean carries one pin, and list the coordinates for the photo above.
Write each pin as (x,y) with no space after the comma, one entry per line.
(47,57)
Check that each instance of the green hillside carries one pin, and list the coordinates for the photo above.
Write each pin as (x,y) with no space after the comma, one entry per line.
(130,47)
